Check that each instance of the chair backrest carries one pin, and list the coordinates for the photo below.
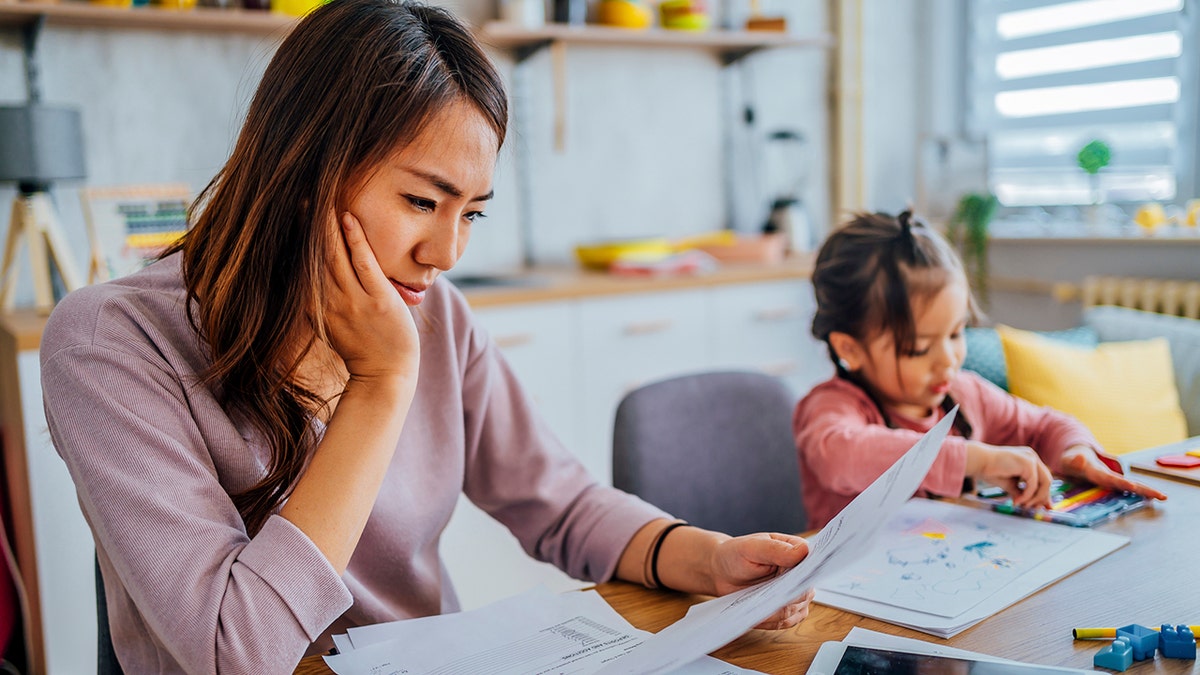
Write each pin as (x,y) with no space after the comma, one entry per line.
(714,449)
(106,661)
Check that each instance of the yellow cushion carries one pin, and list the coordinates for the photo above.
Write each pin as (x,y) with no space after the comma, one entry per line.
(1123,391)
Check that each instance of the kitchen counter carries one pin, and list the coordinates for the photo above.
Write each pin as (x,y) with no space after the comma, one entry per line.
(542,284)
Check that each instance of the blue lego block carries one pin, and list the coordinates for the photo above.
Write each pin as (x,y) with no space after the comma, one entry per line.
(1177,642)
(1143,640)
(1116,656)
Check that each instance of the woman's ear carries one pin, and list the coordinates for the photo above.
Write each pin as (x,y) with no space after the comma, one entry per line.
(850,354)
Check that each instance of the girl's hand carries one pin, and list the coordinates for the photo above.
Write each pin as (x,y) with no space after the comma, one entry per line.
(1082,462)
(741,562)
(1018,470)
(367,322)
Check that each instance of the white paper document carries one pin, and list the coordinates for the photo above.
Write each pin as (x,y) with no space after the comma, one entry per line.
(940,567)
(538,632)
(713,624)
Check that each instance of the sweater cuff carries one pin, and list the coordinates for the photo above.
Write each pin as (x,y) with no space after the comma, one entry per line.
(292,565)
(616,529)
(1069,438)
(945,478)
(1111,462)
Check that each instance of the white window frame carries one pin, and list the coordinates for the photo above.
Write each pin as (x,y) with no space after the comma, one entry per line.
(983,45)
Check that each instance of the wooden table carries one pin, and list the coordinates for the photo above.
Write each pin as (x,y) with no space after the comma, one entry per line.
(1150,581)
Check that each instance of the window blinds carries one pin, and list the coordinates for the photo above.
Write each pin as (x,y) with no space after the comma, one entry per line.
(1049,76)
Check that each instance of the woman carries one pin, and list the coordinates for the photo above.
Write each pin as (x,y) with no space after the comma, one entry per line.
(268,428)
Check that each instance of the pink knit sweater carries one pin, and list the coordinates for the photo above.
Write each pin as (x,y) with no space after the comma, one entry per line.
(844,443)
(154,459)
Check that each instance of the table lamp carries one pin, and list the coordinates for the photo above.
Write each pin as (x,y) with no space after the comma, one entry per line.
(39,144)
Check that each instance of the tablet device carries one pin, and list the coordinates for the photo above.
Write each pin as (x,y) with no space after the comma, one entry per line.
(839,658)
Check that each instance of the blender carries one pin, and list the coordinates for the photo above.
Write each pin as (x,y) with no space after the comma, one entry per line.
(786,177)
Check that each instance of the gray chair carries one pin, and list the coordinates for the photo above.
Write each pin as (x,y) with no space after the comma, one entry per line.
(714,449)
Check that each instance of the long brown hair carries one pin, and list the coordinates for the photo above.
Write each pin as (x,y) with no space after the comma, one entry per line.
(352,80)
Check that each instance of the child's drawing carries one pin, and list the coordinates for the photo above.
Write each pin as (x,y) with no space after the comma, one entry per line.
(944,560)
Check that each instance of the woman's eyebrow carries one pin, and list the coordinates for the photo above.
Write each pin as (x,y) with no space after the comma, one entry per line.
(448,187)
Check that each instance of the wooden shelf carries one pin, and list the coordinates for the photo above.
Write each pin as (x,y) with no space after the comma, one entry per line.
(155,18)
(498,34)
(505,35)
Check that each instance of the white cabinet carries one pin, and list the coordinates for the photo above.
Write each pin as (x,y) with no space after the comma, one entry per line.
(625,342)
(767,327)
(538,340)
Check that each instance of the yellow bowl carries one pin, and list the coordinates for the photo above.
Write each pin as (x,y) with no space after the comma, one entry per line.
(714,238)
(602,254)
(624,14)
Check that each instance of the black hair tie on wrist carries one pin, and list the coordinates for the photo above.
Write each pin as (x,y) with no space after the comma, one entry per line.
(658,548)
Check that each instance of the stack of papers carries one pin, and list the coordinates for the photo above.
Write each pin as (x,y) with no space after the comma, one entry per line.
(941,568)
(534,632)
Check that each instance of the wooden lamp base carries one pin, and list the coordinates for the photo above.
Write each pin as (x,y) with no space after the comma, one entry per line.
(33,221)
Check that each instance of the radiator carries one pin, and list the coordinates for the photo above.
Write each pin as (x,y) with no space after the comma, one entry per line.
(1163,296)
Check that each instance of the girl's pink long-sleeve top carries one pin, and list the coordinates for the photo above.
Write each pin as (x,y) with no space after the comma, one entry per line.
(844,442)
(154,459)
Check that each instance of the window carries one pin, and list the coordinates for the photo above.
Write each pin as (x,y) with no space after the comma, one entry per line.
(1049,76)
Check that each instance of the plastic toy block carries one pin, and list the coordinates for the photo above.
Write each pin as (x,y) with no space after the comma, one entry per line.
(1143,640)
(1177,642)
(1118,655)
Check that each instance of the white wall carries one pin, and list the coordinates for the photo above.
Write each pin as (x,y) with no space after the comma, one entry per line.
(891,93)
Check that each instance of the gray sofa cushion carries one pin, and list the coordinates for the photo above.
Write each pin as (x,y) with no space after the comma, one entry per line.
(1119,324)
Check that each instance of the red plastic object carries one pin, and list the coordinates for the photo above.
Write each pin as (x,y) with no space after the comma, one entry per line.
(1178,461)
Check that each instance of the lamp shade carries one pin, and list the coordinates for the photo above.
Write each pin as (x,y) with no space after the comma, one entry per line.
(40,144)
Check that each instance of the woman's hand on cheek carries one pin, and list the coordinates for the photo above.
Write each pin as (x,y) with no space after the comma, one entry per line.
(367,321)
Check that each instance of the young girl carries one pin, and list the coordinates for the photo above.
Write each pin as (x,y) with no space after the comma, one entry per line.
(269,428)
(892,304)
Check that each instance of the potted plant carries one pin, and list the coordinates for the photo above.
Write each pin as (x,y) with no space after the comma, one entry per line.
(1093,157)
(968,231)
